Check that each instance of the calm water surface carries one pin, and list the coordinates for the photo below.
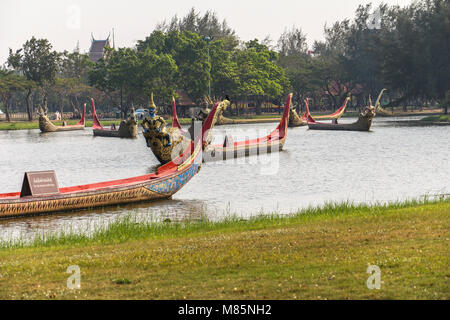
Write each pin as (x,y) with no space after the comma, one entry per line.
(391,162)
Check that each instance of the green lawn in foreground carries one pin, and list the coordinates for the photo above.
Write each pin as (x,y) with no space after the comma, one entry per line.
(321,253)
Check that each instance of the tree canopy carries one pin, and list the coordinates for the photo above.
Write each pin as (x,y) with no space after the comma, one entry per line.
(404,49)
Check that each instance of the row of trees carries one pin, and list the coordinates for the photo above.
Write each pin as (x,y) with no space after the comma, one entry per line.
(403,49)
(37,74)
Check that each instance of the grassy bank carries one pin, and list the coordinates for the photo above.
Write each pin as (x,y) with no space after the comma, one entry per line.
(437,118)
(318,253)
(27,125)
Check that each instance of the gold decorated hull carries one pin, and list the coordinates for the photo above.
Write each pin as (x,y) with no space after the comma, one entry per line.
(45,125)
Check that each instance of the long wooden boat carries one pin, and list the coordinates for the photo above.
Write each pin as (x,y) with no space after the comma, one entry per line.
(162,184)
(363,123)
(230,149)
(127,128)
(45,125)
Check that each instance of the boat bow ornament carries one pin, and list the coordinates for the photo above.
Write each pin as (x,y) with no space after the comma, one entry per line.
(363,123)
(166,143)
(127,128)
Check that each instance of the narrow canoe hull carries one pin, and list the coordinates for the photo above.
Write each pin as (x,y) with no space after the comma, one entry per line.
(127,134)
(361,125)
(128,128)
(45,125)
(145,191)
(218,153)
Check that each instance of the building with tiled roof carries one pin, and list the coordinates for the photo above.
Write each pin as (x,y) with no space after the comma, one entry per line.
(97,49)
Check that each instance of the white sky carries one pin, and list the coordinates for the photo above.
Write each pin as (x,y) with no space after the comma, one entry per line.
(65,22)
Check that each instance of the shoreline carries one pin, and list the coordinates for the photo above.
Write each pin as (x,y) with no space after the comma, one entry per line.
(317,253)
(26,125)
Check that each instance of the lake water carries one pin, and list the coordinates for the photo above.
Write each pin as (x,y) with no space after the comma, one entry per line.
(391,162)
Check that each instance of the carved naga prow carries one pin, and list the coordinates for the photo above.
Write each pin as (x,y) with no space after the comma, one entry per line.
(378,107)
(203,114)
(128,127)
(221,119)
(295,120)
(166,143)
(370,111)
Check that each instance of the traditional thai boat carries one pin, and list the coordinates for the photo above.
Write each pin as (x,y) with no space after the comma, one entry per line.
(230,149)
(167,143)
(363,123)
(127,128)
(45,125)
(295,120)
(162,184)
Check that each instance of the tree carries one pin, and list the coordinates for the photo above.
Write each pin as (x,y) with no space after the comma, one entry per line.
(39,65)
(75,65)
(446,102)
(224,70)
(207,25)
(189,51)
(135,74)
(295,59)
(292,43)
(10,83)
(330,64)
(117,72)
(158,74)
(258,73)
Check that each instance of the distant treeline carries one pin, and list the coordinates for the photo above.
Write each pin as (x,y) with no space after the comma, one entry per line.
(403,49)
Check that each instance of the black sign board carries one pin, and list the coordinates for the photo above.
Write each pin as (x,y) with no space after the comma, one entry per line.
(39,183)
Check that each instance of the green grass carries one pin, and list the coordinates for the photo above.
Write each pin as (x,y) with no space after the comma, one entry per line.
(316,253)
(26,125)
(128,228)
(437,118)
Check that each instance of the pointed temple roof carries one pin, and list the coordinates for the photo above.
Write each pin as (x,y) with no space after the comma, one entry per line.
(97,49)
